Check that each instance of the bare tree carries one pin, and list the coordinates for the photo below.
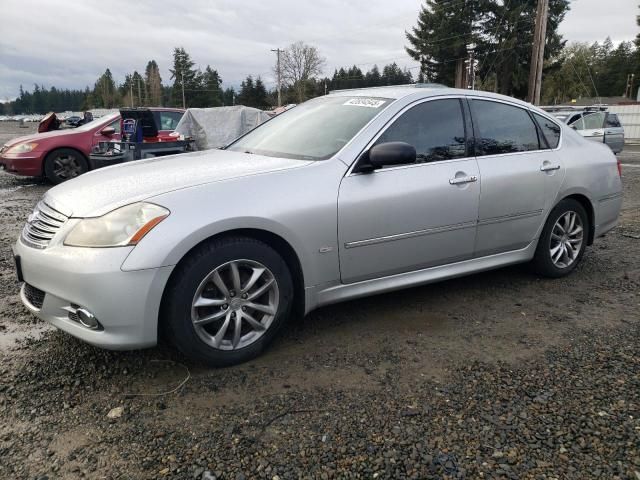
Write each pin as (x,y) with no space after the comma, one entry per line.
(298,64)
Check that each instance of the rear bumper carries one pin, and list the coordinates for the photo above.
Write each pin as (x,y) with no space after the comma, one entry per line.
(607,215)
(125,303)
(28,164)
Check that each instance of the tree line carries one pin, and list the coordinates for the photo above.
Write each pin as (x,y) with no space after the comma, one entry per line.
(203,88)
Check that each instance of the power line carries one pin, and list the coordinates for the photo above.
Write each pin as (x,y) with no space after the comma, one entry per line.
(589,72)
(279,72)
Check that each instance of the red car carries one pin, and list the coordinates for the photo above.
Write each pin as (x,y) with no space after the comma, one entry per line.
(63,154)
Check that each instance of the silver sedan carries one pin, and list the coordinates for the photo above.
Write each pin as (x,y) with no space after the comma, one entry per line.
(347,195)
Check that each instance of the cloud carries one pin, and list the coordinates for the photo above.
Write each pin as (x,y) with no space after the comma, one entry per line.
(68,44)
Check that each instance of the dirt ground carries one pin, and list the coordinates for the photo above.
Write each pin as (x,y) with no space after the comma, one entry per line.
(496,375)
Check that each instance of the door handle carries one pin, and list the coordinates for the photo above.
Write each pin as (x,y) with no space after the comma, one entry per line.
(549,168)
(461,180)
(597,134)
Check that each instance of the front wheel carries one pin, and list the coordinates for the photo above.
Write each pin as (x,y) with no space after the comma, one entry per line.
(563,240)
(64,164)
(227,300)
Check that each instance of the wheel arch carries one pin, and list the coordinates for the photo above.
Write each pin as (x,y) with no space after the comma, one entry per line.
(589,208)
(279,244)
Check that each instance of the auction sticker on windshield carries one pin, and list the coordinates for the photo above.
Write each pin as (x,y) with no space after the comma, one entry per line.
(365,102)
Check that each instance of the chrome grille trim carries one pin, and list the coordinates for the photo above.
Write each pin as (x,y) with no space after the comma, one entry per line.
(42,225)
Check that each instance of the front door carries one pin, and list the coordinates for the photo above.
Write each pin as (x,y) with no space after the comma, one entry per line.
(520,175)
(613,133)
(591,126)
(100,137)
(414,216)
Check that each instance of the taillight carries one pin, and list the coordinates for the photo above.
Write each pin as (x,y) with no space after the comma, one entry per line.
(619,168)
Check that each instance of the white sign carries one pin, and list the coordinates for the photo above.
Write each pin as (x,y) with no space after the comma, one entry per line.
(365,102)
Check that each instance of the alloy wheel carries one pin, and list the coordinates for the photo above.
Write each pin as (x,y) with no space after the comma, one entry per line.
(567,236)
(66,167)
(235,304)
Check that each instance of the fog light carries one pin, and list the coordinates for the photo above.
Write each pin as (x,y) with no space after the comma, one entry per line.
(88,319)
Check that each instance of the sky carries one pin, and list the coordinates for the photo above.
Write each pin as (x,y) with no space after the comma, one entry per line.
(69,43)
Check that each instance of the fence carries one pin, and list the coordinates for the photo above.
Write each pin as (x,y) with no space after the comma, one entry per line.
(629,116)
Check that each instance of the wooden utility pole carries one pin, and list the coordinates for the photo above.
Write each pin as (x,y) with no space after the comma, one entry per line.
(184,104)
(278,51)
(537,52)
(628,91)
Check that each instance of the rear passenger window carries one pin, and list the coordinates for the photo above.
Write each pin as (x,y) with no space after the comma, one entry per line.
(612,121)
(550,130)
(435,128)
(167,120)
(502,128)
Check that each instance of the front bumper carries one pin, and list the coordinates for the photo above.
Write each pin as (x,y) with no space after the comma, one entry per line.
(125,303)
(27,164)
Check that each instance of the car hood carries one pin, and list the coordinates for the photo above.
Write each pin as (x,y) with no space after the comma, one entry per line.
(39,136)
(100,191)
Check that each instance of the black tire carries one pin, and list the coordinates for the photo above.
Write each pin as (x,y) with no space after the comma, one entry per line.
(176,320)
(542,262)
(64,164)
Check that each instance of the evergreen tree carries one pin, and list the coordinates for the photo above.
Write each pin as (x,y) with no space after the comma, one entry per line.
(211,88)
(505,51)
(153,83)
(260,95)
(373,77)
(247,92)
(228,97)
(105,93)
(183,75)
(439,41)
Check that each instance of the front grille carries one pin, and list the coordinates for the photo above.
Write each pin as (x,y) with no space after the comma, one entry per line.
(42,225)
(34,295)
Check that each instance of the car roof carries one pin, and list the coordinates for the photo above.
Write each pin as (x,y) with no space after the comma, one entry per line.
(165,109)
(422,90)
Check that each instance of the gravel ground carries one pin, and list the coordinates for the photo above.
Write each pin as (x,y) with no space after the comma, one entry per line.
(496,375)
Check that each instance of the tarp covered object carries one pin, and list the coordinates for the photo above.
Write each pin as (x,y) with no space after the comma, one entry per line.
(219,126)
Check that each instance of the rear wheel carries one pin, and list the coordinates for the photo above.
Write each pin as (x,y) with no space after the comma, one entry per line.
(227,301)
(64,164)
(563,240)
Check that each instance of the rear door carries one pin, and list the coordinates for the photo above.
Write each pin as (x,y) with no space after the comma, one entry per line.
(613,132)
(520,176)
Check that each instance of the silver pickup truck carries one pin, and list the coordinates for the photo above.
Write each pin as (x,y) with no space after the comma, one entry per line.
(595,123)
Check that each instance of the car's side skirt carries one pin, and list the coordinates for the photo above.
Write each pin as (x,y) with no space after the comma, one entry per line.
(333,293)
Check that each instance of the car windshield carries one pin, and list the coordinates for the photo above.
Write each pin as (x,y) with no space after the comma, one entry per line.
(314,130)
(97,121)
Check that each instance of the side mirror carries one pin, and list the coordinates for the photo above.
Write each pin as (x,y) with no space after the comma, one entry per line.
(388,154)
(108,131)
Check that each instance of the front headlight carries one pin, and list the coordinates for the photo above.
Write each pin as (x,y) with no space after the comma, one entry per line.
(22,148)
(124,226)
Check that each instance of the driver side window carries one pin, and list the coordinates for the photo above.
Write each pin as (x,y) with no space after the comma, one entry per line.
(435,128)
